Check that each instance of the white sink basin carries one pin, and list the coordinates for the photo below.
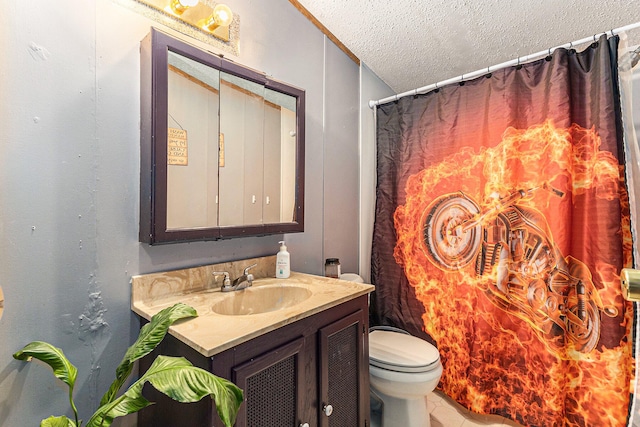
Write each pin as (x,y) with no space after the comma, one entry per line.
(262,299)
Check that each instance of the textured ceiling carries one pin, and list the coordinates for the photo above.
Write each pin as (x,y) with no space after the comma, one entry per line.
(414,43)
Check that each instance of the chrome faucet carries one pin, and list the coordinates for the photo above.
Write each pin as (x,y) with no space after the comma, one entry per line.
(239,283)
(226,283)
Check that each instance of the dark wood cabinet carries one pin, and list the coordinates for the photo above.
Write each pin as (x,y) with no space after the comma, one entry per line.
(272,384)
(312,372)
(341,383)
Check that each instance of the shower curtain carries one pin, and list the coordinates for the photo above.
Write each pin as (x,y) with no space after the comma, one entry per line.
(502,224)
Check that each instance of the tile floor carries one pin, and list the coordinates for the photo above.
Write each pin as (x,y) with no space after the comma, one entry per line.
(447,413)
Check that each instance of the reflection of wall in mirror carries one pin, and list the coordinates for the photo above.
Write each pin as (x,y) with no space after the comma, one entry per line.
(192,190)
(252,191)
(272,172)
(280,163)
(258,184)
(288,172)
(236,127)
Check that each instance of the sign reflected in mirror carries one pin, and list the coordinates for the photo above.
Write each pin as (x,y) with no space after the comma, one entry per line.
(222,147)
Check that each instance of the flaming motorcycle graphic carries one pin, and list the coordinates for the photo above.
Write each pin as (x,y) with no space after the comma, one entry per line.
(511,243)
(499,360)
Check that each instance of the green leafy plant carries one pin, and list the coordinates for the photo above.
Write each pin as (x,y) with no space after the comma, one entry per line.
(174,376)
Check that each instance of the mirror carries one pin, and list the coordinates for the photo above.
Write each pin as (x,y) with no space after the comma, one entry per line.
(192,155)
(222,147)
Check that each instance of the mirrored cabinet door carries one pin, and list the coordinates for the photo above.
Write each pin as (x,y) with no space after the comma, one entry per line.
(241,174)
(279,157)
(222,147)
(193,98)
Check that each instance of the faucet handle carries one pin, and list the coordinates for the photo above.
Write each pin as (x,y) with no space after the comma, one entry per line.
(248,275)
(226,282)
(246,270)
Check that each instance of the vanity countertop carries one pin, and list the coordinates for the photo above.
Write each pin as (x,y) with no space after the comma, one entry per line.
(211,333)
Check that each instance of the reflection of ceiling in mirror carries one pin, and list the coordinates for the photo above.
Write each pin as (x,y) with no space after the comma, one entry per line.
(242,83)
(281,99)
(205,74)
(269,95)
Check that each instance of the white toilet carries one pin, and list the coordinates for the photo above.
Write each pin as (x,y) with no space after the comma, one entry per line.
(403,370)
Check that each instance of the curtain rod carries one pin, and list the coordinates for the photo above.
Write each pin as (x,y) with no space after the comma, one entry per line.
(517,61)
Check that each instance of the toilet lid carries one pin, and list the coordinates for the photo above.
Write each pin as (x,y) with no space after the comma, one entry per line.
(400,352)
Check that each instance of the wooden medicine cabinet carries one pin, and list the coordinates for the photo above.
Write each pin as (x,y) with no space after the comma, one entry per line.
(222,147)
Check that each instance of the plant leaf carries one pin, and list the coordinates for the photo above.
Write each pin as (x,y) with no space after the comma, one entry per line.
(188,384)
(52,356)
(150,336)
(57,422)
(120,407)
(180,380)
(55,358)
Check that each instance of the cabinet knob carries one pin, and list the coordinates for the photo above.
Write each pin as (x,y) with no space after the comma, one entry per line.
(327,409)
(304,425)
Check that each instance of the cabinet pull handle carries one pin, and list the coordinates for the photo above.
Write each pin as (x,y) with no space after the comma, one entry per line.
(328,410)
(304,425)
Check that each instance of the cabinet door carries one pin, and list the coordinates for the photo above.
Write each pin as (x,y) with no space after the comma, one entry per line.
(344,372)
(271,384)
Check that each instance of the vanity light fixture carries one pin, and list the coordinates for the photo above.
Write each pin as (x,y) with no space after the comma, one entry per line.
(200,15)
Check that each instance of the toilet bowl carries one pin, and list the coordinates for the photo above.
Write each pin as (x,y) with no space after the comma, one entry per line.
(403,370)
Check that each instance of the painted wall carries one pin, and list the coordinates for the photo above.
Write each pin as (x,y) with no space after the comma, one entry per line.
(372,88)
(69,181)
(340,161)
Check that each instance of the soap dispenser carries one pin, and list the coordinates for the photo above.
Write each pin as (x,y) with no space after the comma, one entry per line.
(283,265)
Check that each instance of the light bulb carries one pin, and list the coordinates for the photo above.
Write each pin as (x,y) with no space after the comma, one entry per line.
(221,17)
(179,6)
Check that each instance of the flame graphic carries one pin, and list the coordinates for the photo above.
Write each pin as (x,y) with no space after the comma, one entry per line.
(498,362)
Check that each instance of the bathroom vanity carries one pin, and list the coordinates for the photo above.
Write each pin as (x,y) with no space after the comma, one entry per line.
(298,347)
